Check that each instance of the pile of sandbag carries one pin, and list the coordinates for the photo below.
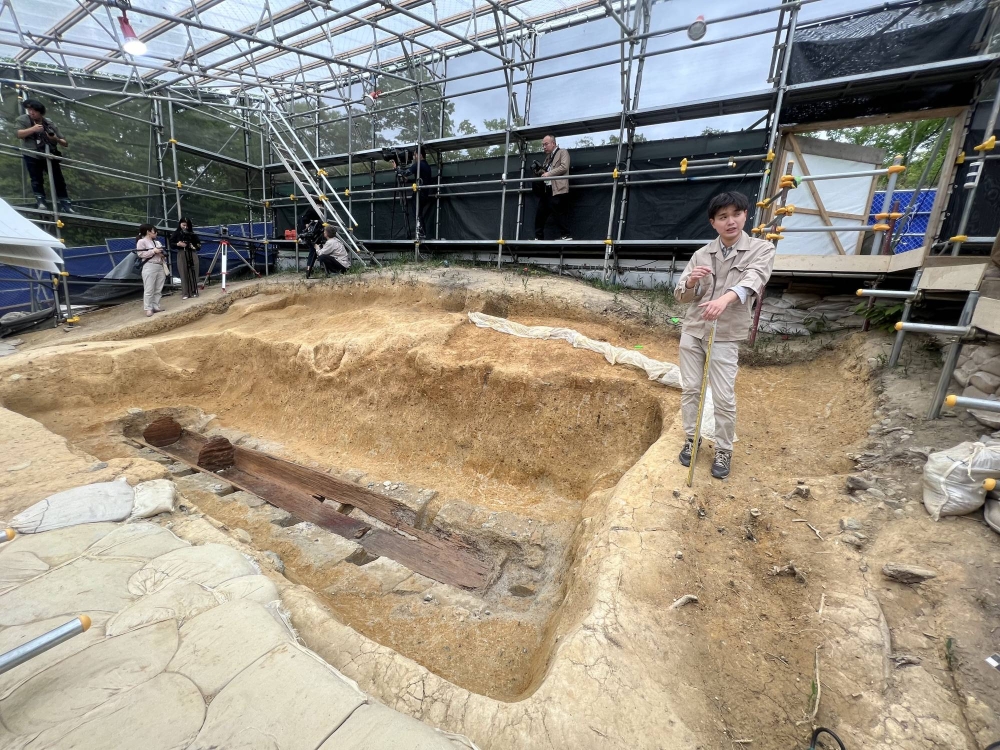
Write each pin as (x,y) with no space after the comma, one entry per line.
(978,373)
(956,481)
(96,503)
(799,314)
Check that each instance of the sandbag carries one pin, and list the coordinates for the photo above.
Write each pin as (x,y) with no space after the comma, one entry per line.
(207,564)
(92,503)
(153,497)
(953,479)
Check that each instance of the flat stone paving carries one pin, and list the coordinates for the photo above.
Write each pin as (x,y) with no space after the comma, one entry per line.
(189,648)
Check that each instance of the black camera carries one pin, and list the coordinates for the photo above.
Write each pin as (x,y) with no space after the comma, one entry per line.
(537,168)
(223,231)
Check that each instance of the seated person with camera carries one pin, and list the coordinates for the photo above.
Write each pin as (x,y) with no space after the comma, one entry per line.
(331,254)
(39,134)
(418,171)
(553,195)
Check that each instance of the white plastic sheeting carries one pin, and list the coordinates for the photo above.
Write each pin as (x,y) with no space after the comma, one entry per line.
(25,245)
(665,373)
(953,479)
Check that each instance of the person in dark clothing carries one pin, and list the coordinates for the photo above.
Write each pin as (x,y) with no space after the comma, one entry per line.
(187,245)
(332,254)
(420,172)
(40,134)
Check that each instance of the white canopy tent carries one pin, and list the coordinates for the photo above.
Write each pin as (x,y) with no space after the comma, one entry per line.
(25,245)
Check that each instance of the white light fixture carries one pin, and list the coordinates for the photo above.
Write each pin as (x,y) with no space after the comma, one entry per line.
(133,44)
(697,30)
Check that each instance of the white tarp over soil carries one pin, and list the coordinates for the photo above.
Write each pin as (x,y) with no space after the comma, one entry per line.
(25,245)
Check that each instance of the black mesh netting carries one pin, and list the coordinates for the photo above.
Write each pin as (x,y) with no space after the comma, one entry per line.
(911,34)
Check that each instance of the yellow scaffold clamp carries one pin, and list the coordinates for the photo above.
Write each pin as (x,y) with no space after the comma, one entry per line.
(171,140)
(757,230)
(896,215)
(684,165)
(414,187)
(732,163)
(770,157)
(347,192)
(774,237)
(614,173)
(609,241)
(788,182)
(326,224)
(59,223)
(988,145)
(764,203)
(880,228)
(74,319)
(960,159)
(179,184)
(267,204)
(501,242)
(322,197)
(785,210)
(291,197)
(64,273)
(959,238)
(896,169)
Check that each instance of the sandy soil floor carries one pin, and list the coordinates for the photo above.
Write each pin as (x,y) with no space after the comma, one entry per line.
(384,375)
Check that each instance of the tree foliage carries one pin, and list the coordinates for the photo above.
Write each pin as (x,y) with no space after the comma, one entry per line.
(914,141)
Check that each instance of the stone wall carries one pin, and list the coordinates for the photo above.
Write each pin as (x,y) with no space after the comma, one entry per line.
(978,374)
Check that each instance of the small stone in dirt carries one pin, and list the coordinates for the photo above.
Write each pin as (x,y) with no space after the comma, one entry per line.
(800,491)
(701,512)
(135,410)
(856,483)
(274,559)
(904,659)
(850,524)
(522,590)
(755,513)
(854,540)
(677,493)
(679,555)
(242,534)
(907,573)
(876,493)
(97,466)
(428,598)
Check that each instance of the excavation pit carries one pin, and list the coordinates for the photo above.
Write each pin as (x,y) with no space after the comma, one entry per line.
(496,440)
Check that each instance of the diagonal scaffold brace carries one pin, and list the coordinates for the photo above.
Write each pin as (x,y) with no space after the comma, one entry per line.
(701,404)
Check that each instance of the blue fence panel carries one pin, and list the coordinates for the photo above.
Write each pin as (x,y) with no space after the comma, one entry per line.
(911,234)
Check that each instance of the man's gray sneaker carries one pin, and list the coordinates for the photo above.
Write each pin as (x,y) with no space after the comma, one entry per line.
(720,466)
(685,455)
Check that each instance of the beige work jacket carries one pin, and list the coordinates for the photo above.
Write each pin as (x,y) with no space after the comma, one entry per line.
(749,266)
(556,164)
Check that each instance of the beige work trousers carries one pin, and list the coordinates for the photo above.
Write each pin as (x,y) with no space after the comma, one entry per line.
(722,378)
(153,276)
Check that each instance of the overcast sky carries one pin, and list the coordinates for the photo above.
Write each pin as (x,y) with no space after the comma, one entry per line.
(686,75)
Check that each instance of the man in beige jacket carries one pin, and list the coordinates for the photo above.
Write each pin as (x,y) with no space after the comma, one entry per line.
(724,277)
(554,199)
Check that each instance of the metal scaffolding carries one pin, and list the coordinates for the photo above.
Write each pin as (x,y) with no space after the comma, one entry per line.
(282,73)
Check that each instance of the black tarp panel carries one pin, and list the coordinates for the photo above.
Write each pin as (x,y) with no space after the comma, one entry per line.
(656,211)
(907,34)
(985,218)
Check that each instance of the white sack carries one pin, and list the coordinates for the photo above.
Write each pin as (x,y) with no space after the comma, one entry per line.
(153,497)
(665,373)
(92,503)
(953,479)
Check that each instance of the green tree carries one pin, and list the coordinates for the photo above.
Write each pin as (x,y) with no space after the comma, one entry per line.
(914,141)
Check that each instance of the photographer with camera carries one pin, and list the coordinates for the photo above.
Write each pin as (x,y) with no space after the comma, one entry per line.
(186,243)
(553,195)
(331,254)
(418,171)
(41,134)
(153,258)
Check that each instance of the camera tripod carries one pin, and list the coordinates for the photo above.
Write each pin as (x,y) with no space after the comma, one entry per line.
(400,198)
(222,251)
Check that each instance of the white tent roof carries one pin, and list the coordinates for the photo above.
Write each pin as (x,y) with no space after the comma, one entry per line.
(23,244)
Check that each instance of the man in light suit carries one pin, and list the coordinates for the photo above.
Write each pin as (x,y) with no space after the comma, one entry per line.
(554,200)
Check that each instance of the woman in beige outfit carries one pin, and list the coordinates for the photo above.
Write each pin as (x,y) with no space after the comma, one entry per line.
(151,252)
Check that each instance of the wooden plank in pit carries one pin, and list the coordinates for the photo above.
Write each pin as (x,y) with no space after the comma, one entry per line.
(447,559)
